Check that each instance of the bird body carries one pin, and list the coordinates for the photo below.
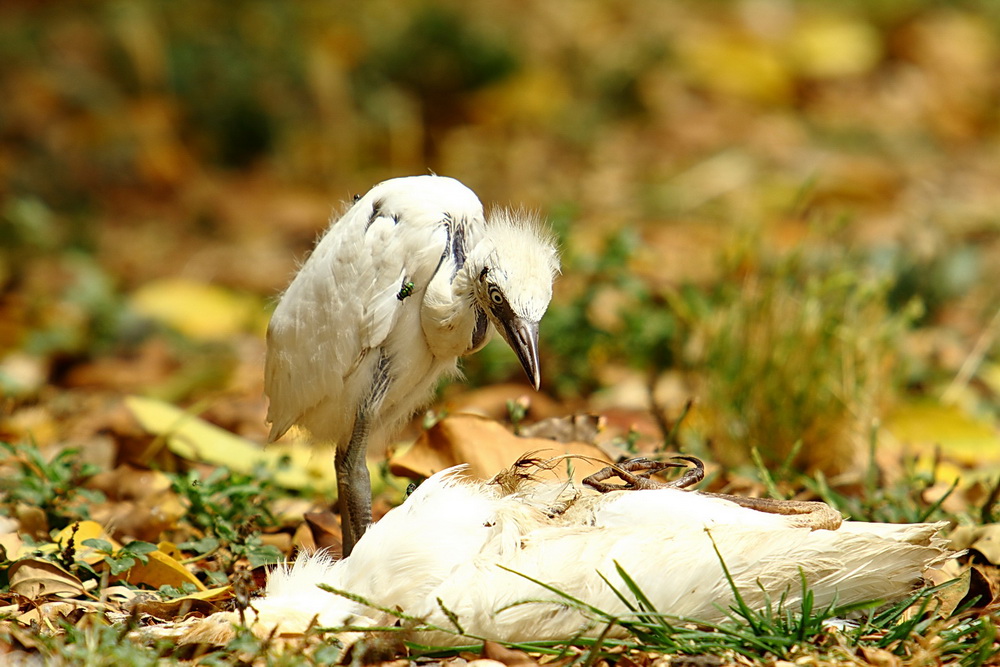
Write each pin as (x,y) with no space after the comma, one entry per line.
(410,278)
(463,545)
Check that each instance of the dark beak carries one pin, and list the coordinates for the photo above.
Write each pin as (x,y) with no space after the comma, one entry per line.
(522,336)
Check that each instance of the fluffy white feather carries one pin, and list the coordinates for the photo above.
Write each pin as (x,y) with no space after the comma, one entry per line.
(453,538)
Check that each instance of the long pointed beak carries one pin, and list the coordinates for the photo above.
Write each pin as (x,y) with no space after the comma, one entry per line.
(522,336)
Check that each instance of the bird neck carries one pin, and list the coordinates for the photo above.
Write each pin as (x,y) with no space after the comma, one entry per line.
(453,322)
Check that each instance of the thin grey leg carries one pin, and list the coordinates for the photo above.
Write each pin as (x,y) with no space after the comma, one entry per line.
(354,487)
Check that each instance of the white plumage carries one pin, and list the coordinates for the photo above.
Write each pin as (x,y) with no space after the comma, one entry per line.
(452,538)
(410,278)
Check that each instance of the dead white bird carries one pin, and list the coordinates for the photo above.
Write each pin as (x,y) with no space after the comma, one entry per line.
(463,545)
(412,277)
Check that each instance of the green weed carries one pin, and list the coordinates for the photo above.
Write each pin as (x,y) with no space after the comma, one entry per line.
(54,486)
(228,510)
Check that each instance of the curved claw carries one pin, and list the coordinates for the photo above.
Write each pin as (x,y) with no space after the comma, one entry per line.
(635,473)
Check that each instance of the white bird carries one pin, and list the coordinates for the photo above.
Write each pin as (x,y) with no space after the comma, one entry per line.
(462,545)
(410,278)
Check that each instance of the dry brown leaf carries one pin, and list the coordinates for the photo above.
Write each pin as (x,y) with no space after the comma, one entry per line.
(324,528)
(879,656)
(173,609)
(506,656)
(487,447)
(983,539)
(56,610)
(984,585)
(34,578)
(10,546)
(950,597)
(32,521)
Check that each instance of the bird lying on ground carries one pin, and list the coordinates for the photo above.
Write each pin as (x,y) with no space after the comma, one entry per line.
(410,278)
(461,552)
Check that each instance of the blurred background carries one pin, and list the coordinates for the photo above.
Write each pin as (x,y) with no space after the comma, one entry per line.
(780,220)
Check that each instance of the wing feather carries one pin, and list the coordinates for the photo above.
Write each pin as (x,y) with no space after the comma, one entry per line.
(343,303)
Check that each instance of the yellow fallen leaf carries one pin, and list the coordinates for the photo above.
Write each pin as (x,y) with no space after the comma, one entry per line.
(161,570)
(989,373)
(209,593)
(962,438)
(198,310)
(835,46)
(170,549)
(85,530)
(295,465)
(735,64)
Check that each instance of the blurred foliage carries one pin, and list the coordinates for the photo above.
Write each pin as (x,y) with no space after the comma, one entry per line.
(777,218)
(164,165)
(803,352)
(52,486)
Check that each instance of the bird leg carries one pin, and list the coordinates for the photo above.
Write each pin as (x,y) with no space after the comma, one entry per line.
(635,473)
(354,488)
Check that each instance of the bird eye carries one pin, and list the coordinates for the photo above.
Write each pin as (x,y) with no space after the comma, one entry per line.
(496,296)
(357,197)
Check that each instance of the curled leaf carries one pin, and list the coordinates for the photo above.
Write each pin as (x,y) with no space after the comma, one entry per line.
(34,578)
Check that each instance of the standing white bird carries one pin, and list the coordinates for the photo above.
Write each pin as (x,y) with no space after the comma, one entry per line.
(410,278)
(467,553)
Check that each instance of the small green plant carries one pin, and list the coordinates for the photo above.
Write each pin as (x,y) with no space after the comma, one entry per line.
(228,509)
(119,560)
(55,486)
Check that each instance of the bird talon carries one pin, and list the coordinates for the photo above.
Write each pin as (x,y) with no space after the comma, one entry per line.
(636,475)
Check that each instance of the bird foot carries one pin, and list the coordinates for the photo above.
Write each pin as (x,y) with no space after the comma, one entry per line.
(635,473)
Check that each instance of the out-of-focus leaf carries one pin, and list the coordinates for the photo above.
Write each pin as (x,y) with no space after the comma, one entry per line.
(835,46)
(34,578)
(573,428)
(874,655)
(295,465)
(198,310)
(737,65)
(961,437)
(487,447)
(496,653)
(161,570)
(989,373)
(140,503)
(324,528)
(984,539)
(21,374)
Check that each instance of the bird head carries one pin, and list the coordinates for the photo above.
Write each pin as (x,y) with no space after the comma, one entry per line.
(513,268)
